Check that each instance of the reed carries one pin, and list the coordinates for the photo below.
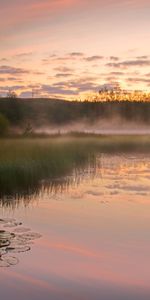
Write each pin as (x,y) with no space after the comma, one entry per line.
(25,163)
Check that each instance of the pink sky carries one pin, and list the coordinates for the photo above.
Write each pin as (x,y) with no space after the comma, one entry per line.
(67,48)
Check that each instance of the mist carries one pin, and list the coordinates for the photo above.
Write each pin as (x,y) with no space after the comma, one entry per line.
(111,126)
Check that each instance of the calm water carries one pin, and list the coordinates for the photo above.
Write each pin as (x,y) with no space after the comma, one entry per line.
(88,238)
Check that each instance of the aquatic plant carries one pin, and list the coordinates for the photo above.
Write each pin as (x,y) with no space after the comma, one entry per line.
(13,242)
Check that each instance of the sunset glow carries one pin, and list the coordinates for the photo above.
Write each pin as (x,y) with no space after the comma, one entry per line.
(74,149)
(68,48)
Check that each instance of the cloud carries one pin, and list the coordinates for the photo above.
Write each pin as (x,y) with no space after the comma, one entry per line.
(143,57)
(13,78)
(37,73)
(69,87)
(23,55)
(80,85)
(67,57)
(94,58)
(130,63)
(57,59)
(88,86)
(138,80)
(114,58)
(26,94)
(76,54)
(63,75)
(6,70)
(63,69)
(56,90)
(73,56)
(71,79)
(117,73)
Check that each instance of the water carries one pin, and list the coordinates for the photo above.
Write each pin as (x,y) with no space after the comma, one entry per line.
(86,238)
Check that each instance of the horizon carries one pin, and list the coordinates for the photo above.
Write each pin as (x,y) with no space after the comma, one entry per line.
(103,95)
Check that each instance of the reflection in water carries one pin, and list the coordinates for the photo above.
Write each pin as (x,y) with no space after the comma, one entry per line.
(95,227)
(117,174)
(32,165)
(15,241)
(51,186)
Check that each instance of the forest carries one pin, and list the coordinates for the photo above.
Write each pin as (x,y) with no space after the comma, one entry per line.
(15,112)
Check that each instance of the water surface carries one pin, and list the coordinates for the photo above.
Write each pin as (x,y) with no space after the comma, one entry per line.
(87,238)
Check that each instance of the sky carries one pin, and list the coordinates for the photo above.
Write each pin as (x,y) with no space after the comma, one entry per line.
(72,48)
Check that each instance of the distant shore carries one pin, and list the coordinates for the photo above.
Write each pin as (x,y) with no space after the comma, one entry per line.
(47,117)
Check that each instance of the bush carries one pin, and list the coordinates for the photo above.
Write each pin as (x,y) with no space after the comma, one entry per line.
(4,124)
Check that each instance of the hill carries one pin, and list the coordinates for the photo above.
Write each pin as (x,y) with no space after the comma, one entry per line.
(53,112)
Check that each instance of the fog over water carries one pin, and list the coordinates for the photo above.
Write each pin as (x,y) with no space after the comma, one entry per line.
(105,127)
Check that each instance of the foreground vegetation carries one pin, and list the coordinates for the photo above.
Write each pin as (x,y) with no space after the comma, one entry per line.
(25,163)
(28,164)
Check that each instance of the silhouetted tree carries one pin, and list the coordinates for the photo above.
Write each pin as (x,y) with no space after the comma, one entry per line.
(11,95)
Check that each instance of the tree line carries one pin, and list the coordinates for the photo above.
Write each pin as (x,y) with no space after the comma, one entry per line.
(38,112)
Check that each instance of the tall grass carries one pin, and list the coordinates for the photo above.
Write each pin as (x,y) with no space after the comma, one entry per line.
(25,163)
